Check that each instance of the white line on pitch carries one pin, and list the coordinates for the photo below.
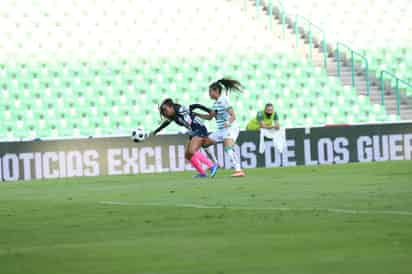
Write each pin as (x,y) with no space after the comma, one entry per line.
(332,210)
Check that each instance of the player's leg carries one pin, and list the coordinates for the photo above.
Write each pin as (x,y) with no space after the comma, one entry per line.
(214,138)
(212,165)
(189,155)
(229,147)
(208,148)
(198,157)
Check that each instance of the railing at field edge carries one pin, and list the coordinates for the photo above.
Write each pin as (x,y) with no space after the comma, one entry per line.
(397,82)
(352,54)
(270,11)
(311,26)
(282,14)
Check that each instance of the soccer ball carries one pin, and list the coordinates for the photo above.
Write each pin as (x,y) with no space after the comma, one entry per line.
(138,134)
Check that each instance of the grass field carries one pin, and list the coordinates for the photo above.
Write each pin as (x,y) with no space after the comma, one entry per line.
(353,218)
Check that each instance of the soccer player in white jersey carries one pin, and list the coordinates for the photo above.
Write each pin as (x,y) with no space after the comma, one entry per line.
(227,128)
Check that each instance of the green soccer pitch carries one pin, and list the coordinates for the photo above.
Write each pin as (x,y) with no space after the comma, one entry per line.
(354,218)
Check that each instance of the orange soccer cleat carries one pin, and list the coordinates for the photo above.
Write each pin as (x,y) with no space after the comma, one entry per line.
(239,173)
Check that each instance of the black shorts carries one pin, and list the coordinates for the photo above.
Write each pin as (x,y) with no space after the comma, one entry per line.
(198,131)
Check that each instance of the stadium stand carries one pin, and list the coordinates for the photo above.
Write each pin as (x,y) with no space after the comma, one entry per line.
(76,80)
(381,29)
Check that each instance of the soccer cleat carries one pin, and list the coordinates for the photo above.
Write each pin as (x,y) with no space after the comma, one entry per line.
(200,176)
(213,170)
(239,173)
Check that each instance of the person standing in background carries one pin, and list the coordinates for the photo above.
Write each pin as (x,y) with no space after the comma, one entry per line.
(268,118)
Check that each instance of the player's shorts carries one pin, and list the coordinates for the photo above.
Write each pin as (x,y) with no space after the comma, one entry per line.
(198,131)
(225,133)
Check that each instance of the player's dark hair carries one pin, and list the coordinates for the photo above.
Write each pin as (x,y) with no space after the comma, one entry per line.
(167,102)
(226,83)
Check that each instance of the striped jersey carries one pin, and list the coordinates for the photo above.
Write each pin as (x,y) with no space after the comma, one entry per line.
(221,107)
(185,118)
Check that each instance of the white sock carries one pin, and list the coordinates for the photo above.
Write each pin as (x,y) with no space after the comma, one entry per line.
(234,159)
(211,154)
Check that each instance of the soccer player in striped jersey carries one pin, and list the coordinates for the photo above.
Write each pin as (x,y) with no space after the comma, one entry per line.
(227,128)
(198,133)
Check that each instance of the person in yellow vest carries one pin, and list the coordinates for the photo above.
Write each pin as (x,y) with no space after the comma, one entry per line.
(268,118)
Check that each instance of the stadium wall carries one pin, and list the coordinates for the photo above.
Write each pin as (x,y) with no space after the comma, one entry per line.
(117,156)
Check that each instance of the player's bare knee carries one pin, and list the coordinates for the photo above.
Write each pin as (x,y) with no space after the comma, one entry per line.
(191,151)
(228,143)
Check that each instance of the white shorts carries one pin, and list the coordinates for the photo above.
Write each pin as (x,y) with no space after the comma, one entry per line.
(225,133)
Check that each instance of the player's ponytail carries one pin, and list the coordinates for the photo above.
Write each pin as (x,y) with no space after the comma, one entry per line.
(226,83)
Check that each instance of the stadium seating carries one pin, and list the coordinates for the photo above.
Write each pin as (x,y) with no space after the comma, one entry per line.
(381,29)
(92,68)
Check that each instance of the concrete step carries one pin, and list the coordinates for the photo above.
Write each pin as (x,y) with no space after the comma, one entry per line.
(345,70)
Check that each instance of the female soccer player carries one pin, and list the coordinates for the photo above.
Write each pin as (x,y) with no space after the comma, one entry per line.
(198,133)
(227,128)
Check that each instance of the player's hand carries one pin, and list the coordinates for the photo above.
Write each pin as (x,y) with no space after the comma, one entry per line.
(226,125)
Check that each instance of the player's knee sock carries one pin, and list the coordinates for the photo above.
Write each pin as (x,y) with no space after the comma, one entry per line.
(234,159)
(196,164)
(210,152)
(203,159)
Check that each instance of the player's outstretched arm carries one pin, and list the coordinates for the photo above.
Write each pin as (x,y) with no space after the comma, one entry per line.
(163,125)
(210,112)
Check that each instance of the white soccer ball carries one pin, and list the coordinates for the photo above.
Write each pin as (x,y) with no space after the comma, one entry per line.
(138,134)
